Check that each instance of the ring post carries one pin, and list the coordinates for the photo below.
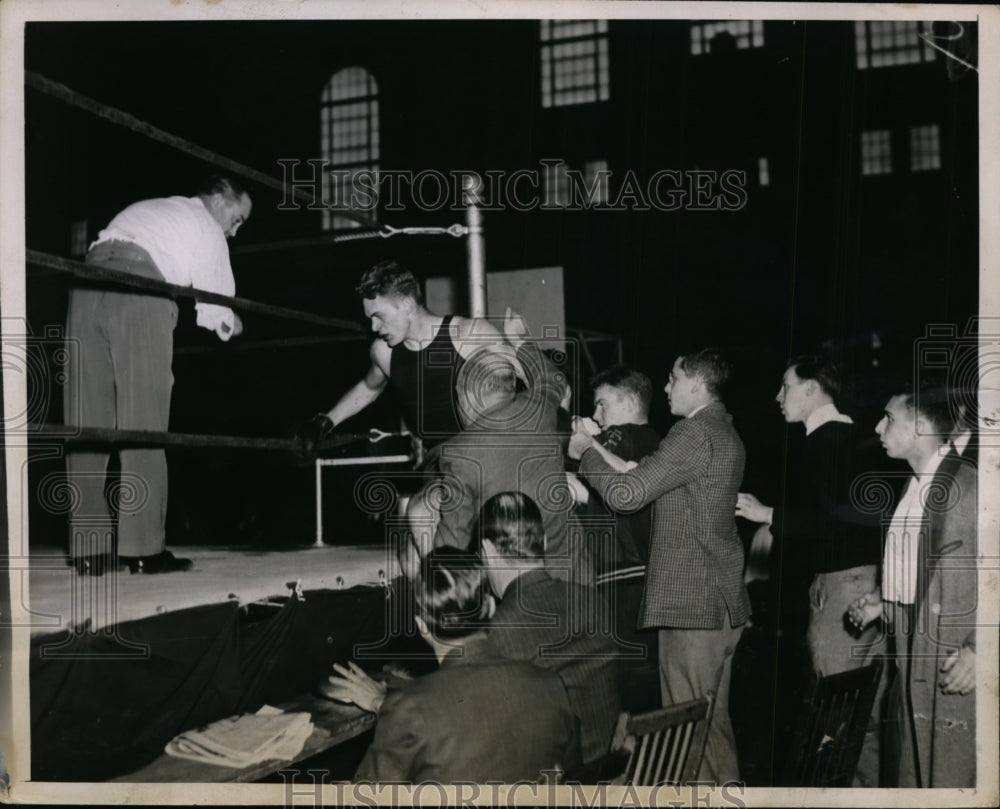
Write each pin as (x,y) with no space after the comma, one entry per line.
(319,504)
(475,247)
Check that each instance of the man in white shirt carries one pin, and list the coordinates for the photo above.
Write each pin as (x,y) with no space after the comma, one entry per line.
(927,601)
(119,375)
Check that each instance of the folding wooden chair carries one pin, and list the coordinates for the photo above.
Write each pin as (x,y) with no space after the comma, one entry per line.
(831,729)
(664,746)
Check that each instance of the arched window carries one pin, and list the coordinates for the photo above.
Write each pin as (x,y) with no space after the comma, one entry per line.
(349,137)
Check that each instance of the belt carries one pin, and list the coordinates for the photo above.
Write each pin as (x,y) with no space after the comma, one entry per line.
(119,249)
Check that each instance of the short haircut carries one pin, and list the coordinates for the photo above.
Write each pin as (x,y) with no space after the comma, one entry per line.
(232,189)
(820,369)
(513,523)
(450,593)
(964,388)
(489,370)
(930,398)
(634,383)
(389,279)
(710,366)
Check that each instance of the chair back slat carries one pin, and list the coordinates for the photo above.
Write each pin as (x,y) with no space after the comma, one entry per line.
(666,768)
(667,748)
(674,772)
(664,746)
(642,753)
(831,728)
(840,720)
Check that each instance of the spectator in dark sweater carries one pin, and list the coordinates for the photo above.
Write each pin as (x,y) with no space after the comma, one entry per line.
(826,551)
(622,397)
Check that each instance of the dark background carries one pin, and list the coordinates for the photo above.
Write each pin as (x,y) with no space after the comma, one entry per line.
(820,255)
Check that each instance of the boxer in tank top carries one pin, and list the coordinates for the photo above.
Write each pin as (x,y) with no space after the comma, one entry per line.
(417,351)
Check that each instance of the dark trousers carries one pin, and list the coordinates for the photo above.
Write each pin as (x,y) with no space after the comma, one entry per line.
(897,729)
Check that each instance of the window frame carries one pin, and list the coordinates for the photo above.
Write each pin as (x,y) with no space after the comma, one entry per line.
(365,156)
(556,49)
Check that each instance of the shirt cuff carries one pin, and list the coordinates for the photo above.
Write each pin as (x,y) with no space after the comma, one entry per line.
(219,319)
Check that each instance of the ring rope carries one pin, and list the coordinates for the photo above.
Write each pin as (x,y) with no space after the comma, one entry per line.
(164,289)
(116,116)
(452,230)
(156,438)
(384,233)
(242,345)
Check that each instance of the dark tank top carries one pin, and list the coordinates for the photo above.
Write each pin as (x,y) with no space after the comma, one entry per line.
(425,383)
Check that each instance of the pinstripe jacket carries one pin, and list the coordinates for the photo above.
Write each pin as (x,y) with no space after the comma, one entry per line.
(561,626)
(478,718)
(694,578)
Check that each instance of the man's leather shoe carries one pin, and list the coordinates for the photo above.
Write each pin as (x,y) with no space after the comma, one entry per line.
(162,562)
(95,565)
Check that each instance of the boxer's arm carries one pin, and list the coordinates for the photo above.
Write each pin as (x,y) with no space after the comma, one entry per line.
(366,390)
(473,333)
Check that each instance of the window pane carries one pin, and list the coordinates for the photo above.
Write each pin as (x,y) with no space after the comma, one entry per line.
(744,33)
(876,152)
(78,238)
(763,172)
(349,137)
(574,70)
(595,180)
(897,42)
(925,148)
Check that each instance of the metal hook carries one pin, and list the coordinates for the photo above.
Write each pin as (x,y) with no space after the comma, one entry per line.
(375,435)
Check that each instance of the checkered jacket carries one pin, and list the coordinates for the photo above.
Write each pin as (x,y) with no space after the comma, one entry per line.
(694,579)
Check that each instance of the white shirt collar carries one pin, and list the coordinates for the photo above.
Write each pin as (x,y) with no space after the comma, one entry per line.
(821,415)
(931,467)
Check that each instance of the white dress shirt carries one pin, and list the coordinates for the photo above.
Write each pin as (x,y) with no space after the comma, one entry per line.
(899,569)
(188,247)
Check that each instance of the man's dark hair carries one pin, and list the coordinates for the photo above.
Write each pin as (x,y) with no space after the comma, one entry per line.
(632,382)
(512,522)
(930,398)
(450,593)
(964,386)
(389,279)
(231,188)
(711,367)
(820,369)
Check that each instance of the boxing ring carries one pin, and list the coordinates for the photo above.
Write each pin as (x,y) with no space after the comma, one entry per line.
(146,656)
(246,625)
(46,435)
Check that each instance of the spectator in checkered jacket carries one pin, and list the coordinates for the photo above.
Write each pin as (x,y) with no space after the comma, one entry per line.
(694,593)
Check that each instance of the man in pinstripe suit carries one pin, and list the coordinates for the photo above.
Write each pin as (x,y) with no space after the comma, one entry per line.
(555,624)
(694,593)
